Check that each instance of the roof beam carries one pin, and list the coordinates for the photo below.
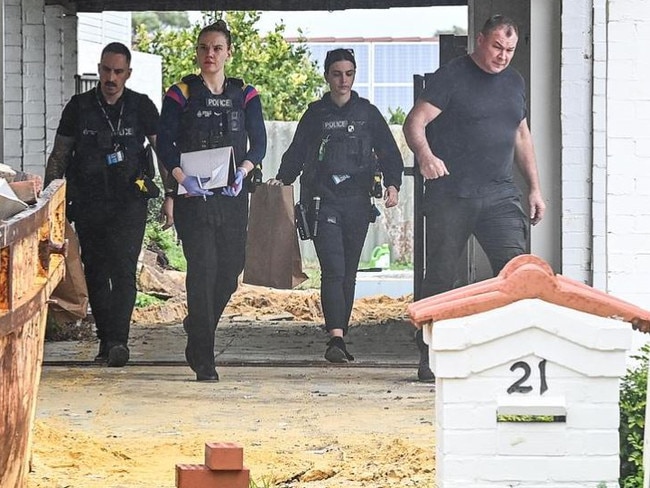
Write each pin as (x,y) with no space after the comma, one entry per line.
(287,5)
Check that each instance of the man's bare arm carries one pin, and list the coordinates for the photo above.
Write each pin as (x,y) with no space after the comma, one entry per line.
(422,113)
(59,158)
(525,158)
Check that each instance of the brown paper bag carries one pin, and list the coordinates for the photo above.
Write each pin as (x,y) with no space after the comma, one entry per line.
(69,300)
(272,249)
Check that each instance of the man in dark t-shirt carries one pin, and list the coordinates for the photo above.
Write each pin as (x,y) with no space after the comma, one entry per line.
(99,149)
(476,106)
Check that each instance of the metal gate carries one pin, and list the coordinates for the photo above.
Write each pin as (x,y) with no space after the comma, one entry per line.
(84,82)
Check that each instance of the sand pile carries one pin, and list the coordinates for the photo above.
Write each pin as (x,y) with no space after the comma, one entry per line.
(266,304)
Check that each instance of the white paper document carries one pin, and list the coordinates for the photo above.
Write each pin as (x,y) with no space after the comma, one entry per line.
(216,165)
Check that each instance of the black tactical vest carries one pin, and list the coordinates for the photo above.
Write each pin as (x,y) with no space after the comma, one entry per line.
(210,121)
(346,144)
(89,176)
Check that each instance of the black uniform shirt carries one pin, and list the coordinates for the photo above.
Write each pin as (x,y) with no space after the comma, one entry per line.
(147,115)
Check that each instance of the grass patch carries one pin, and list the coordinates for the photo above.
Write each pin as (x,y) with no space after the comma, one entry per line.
(143,300)
(165,242)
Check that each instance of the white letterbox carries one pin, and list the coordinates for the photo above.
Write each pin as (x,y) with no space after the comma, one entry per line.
(527,380)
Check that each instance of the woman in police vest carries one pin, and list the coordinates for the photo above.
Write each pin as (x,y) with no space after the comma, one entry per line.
(207,111)
(341,143)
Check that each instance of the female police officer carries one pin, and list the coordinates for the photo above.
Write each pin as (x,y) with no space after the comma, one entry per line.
(208,111)
(340,143)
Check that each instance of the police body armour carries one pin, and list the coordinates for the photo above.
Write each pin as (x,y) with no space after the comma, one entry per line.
(345,147)
(107,155)
(210,121)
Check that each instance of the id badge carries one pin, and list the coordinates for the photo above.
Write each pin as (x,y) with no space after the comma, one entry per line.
(114,157)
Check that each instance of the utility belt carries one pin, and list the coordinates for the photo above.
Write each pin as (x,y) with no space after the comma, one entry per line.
(307,210)
(307,214)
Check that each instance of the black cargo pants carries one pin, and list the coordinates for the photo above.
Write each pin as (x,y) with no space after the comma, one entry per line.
(110,236)
(342,228)
(497,221)
(213,235)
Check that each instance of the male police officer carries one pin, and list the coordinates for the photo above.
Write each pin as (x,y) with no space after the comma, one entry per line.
(99,148)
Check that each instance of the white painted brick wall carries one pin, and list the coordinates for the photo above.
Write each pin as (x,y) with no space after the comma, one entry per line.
(472,358)
(33,93)
(628,157)
(24,93)
(576,144)
(55,76)
(599,143)
(12,40)
(528,440)
(504,469)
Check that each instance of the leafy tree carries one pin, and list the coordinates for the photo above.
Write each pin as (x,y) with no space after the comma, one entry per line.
(282,72)
(157,20)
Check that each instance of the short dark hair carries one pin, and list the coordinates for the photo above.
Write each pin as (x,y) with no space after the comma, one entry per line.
(118,48)
(340,54)
(219,26)
(499,21)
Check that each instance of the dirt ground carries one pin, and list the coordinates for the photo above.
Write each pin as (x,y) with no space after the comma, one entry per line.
(312,427)
(306,425)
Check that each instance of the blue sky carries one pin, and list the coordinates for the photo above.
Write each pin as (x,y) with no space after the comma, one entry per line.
(394,22)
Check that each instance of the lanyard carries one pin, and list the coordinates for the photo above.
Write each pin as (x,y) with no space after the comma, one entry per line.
(114,131)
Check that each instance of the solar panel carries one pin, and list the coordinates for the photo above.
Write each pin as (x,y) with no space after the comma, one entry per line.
(385,69)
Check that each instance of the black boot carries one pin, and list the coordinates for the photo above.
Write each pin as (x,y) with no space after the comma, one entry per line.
(336,351)
(102,355)
(118,356)
(424,371)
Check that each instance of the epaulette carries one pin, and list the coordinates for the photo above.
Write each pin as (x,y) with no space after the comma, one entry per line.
(189,79)
(184,88)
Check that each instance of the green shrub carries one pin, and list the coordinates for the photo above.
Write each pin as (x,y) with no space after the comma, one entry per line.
(143,300)
(397,116)
(313,277)
(632,405)
(157,239)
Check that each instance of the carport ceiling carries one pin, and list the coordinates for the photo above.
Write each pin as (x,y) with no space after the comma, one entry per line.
(173,5)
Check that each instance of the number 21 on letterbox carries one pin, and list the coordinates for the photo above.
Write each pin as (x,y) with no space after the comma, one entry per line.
(531,377)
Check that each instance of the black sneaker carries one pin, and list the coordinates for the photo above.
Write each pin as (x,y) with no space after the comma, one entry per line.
(207,374)
(336,351)
(102,355)
(118,356)
(189,357)
(425,374)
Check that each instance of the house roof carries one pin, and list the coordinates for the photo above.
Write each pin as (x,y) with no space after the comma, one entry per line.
(524,277)
(173,5)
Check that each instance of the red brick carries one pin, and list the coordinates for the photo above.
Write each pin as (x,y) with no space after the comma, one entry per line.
(224,456)
(200,476)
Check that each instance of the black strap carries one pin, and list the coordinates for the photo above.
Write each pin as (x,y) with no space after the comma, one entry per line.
(114,131)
